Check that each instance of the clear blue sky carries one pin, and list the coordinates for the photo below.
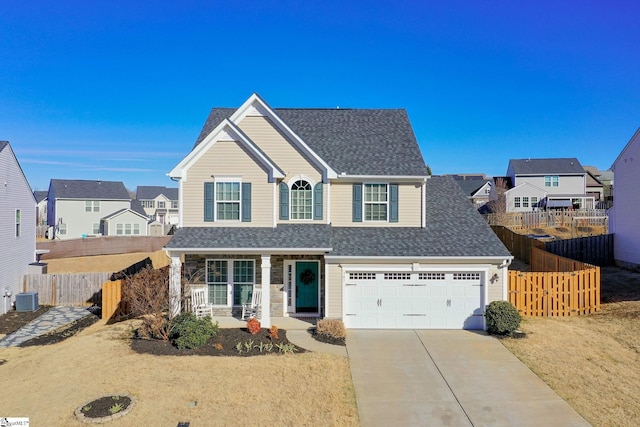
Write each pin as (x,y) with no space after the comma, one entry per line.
(119,90)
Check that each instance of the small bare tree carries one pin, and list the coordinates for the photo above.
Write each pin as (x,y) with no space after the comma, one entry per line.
(498,204)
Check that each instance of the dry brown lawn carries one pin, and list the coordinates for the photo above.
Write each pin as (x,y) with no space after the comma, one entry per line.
(564,232)
(101,263)
(592,361)
(48,383)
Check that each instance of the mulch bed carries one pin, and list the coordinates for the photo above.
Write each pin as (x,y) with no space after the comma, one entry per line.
(104,406)
(223,344)
(328,339)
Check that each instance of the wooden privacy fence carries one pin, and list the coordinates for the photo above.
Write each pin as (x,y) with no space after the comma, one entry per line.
(112,299)
(596,250)
(560,287)
(518,244)
(584,217)
(66,289)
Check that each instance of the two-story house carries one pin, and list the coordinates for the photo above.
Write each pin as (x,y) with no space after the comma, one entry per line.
(332,214)
(545,184)
(159,203)
(83,208)
(17,226)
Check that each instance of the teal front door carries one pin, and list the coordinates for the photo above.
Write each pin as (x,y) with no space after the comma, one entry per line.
(307,279)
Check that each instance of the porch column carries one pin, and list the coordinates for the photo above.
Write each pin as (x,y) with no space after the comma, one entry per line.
(175,270)
(265,319)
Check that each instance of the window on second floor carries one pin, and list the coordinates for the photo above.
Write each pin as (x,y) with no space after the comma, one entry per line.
(161,204)
(227,200)
(149,204)
(551,181)
(174,204)
(375,202)
(301,200)
(92,206)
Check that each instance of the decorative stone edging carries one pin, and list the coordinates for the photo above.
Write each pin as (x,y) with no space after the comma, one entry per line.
(80,415)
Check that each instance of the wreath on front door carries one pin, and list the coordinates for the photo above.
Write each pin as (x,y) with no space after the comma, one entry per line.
(307,277)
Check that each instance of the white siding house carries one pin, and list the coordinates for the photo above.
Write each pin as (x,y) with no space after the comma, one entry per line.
(626,194)
(17,226)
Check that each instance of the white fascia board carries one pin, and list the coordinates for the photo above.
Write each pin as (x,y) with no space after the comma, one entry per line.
(180,170)
(250,251)
(383,178)
(255,98)
(334,259)
(480,189)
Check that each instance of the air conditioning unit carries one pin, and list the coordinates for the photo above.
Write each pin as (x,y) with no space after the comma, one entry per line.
(27,301)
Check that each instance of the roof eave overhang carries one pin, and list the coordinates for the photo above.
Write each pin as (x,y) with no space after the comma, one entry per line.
(250,251)
(385,178)
(457,259)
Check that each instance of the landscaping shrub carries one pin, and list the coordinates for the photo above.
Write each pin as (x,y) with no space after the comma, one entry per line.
(502,318)
(190,332)
(333,328)
(253,325)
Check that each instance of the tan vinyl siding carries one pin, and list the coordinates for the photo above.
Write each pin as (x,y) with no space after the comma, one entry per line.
(494,290)
(334,291)
(227,158)
(409,209)
(281,151)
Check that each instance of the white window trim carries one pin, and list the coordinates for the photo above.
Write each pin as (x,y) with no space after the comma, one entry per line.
(226,179)
(230,279)
(18,223)
(364,202)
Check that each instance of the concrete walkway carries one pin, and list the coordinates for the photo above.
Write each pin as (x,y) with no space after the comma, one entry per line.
(49,321)
(448,378)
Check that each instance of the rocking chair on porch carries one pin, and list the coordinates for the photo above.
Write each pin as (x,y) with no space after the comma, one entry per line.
(199,304)
(251,309)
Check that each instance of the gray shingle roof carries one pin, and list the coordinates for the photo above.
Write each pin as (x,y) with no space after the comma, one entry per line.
(144,192)
(3,144)
(355,141)
(454,229)
(471,186)
(40,195)
(284,236)
(90,190)
(136,206)
(546,166)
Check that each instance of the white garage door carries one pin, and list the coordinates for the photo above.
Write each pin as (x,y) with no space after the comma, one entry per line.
(428,300)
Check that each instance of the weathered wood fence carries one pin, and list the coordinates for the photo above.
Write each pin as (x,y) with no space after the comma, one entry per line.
(597,250)
(559,287)
(581,217)
(66,289)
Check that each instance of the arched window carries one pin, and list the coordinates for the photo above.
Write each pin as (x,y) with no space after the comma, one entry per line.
(301,200)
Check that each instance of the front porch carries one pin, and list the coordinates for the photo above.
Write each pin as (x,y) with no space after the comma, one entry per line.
(287,323)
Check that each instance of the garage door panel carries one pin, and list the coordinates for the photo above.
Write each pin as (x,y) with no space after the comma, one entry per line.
(435,300)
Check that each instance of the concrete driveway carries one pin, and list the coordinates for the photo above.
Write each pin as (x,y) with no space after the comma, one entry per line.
(448,378)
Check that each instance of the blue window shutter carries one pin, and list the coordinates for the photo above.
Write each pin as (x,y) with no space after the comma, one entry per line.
(208,201)
(357,202)
(284,201)
(246,202)
(393,202)
(317,201)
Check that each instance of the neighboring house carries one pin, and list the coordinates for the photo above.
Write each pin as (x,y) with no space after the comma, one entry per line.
(124,222)
(17,226)
(159,203)
(476,188)
(77,208)
(606,179)
(626,193)
(545,184)
(332,214)
(41,201)
(594,187)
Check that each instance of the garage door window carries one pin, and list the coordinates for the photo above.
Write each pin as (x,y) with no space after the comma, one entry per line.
(397,276)
(362,276)
(431,276)
(466,276)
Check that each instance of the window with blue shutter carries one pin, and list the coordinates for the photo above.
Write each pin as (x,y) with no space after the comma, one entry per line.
(357,202)
(246,202)
(284,201)
(317,201)
(393,202)
(208,201)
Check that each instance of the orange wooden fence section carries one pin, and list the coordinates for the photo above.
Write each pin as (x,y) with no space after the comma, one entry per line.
(559,287)
(111,298)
